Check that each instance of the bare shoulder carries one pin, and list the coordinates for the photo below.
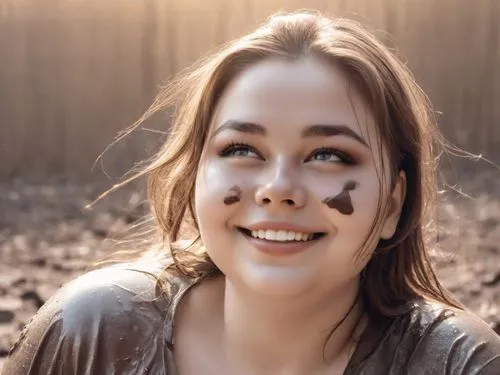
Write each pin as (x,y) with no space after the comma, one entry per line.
(108,321)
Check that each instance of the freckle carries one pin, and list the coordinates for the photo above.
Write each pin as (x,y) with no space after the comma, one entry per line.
(233,196)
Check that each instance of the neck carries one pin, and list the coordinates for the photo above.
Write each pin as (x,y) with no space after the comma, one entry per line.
(292,336)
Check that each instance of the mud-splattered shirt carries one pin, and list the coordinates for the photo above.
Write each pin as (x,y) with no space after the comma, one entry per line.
(111,321)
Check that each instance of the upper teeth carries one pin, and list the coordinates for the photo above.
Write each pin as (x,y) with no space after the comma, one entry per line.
(281,235)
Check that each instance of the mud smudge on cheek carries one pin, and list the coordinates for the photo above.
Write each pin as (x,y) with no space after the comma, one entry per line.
(342,202)
(233,195)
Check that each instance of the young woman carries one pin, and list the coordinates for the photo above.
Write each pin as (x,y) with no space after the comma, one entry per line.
(291,197)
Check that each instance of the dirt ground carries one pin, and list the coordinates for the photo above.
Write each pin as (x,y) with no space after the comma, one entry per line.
(46,239)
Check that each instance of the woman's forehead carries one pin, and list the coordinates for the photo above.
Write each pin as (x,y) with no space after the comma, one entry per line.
(288,95)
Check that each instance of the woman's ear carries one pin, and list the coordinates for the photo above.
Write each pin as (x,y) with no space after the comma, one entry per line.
(396,201)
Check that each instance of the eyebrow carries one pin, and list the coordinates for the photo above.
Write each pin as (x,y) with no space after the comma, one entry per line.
(331,131)
(241,126)
(322,130)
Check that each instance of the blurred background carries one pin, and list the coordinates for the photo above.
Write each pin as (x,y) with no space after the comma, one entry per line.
(75,72)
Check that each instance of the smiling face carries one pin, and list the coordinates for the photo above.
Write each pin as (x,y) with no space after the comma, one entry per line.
(290,147)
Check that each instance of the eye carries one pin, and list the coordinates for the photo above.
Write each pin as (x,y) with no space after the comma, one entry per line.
(239,150)
(330,155)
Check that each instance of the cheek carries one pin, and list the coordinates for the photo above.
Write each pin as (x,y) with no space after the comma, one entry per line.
(358,228)
(216,181)
(363,199)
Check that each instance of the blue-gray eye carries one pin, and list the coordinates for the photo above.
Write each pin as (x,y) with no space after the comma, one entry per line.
(330,155)
(239,150)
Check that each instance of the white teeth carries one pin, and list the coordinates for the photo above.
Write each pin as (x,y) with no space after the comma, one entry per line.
(271,235)
(281,235)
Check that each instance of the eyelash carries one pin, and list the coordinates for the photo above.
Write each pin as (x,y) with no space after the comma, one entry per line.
(234,146)
(344,157)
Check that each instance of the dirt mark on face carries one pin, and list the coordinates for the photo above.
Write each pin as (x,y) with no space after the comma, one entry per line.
(233,195)
(342,201)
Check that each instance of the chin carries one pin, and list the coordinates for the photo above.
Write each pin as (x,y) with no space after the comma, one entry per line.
(276,281)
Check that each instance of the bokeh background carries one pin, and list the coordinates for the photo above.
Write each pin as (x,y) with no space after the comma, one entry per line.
(75,72)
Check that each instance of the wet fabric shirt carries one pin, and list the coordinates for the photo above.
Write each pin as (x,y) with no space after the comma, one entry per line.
(111,321)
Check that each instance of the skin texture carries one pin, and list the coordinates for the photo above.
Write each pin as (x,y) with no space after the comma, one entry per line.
(342,202)
(284,178)
(233,195)
(268,137)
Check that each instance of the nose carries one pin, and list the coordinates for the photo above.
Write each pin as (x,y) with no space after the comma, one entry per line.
(281,190)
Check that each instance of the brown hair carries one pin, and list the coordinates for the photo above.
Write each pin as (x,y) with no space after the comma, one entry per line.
(399,270)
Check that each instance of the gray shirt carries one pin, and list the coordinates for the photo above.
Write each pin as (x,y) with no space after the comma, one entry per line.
(114,321)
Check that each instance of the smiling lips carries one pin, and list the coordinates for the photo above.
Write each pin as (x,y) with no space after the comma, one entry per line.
(281,241)
(281,235)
